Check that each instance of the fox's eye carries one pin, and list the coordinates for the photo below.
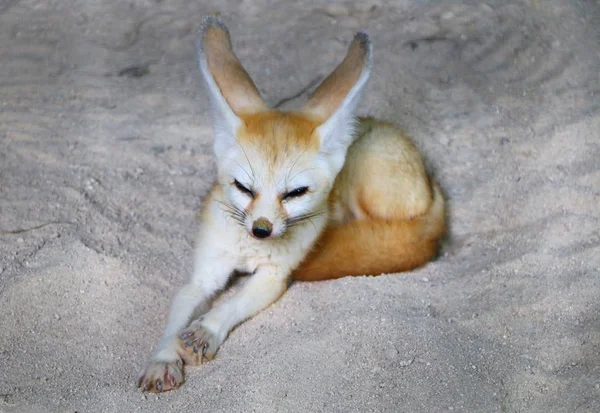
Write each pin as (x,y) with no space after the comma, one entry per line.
(298,192)
(243,189)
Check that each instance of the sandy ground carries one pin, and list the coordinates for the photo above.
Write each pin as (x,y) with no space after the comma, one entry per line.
(105,158)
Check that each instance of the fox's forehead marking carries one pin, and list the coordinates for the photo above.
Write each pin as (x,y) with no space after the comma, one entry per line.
(278,133)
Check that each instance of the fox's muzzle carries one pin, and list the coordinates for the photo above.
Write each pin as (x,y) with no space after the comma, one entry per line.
(262,228)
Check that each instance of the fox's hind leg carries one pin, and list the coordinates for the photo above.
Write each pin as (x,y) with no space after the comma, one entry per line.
(386,175)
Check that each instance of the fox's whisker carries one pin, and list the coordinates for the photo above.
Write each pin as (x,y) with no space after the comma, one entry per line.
(298,219)
(238,164)
(246,155)
(237,214)
(287,177)
(302,171)
(312,223)
(238,220)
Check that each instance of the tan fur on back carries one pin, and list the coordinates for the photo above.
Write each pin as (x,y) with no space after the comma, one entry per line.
(387,213)
(384,174)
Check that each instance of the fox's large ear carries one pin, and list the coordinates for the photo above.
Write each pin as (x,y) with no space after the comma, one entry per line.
(232,91)
(336,98)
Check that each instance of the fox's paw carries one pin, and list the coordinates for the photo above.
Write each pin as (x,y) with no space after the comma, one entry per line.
(161,376)
(198,343)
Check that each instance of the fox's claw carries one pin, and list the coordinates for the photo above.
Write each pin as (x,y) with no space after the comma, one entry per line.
(197,343)
(161,376)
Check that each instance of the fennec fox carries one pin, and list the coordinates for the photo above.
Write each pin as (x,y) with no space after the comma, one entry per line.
(311,195)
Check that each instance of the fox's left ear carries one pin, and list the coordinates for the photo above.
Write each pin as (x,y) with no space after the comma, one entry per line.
(336,98)
(232,91)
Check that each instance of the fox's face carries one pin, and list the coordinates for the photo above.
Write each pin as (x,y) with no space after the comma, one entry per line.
(275,177)
(277,168)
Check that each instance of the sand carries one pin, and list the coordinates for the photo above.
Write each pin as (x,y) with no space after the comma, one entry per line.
(105,157)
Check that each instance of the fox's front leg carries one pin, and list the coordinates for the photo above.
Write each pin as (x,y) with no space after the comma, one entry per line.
(202,338)
(212,269)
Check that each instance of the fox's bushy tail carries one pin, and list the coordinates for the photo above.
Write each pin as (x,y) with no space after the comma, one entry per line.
(374,247)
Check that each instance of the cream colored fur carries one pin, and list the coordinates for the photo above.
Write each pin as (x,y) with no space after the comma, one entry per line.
(280,196)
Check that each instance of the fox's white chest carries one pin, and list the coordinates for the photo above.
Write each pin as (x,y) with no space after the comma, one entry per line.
(284,252)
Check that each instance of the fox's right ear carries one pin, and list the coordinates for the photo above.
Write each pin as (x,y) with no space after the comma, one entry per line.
(335,100)
(232,91)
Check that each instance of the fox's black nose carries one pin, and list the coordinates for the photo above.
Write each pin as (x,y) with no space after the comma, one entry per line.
(262,228)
